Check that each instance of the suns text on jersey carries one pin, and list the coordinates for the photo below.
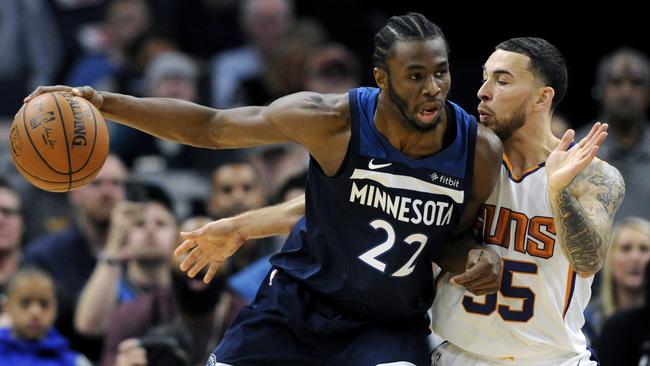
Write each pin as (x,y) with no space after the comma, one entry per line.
(534,236)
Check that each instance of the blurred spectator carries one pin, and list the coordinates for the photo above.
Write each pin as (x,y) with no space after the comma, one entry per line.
(559,125)
(621,283)
(159,322)
(143,50)
(11,229)
(285,71)
(31,339)
(626,335)
(81,24)
(332,69)
(71,255)
(265,22)
(125,21)
(237,186)
(48,212)
(214,24)
(623,90)
(140,240)
(32,54)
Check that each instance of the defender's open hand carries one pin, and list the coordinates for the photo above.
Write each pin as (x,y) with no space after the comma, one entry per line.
(210,245)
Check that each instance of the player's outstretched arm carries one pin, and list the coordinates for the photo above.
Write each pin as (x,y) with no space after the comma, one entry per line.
(311,119)
(584,194)
(212,244)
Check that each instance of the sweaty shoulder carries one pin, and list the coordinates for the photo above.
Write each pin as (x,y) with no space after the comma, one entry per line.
(487,160)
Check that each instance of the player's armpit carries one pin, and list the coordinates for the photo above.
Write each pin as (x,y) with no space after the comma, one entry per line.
(584,214)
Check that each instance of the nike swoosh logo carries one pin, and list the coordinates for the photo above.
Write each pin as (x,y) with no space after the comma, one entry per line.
(372,165)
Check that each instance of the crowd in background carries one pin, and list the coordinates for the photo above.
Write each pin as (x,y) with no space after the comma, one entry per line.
(93,268)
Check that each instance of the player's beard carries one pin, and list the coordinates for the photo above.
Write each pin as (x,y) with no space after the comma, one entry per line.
(402,106)
(504,128)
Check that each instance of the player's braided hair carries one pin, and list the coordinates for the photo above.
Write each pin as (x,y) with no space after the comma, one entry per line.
(412,26)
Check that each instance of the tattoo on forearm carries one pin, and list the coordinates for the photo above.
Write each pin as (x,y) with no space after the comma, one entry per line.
(580,238)
(585,226)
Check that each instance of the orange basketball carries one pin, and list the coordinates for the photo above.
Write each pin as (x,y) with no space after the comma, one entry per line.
(58,141)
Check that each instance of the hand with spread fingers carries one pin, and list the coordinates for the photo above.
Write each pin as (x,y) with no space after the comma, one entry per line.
(482,273)
(564,163)
(211,245)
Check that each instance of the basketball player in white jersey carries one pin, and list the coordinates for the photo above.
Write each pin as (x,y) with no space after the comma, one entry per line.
(549,218)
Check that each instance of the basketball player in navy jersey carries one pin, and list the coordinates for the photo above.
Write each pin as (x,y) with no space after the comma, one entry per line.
(395,172)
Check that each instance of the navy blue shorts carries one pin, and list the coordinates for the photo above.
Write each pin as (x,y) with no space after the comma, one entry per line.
(289,325)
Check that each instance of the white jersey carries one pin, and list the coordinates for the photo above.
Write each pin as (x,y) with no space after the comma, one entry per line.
(538,312)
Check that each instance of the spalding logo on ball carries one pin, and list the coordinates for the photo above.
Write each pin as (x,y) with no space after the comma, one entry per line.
(58,141)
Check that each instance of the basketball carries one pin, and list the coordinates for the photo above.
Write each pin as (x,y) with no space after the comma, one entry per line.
(58,141)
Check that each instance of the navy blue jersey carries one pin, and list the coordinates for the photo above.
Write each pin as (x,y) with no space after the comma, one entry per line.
(369,233)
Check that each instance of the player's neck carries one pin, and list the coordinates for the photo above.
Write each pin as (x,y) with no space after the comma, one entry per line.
(531,144)
(413,143)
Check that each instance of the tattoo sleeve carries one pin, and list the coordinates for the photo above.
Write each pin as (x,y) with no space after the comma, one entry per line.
(584,212)
(582,243)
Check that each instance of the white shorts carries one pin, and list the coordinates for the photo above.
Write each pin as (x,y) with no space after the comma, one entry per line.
(447,354)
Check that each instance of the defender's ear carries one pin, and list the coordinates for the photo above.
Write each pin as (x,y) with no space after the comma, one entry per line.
(545,98)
